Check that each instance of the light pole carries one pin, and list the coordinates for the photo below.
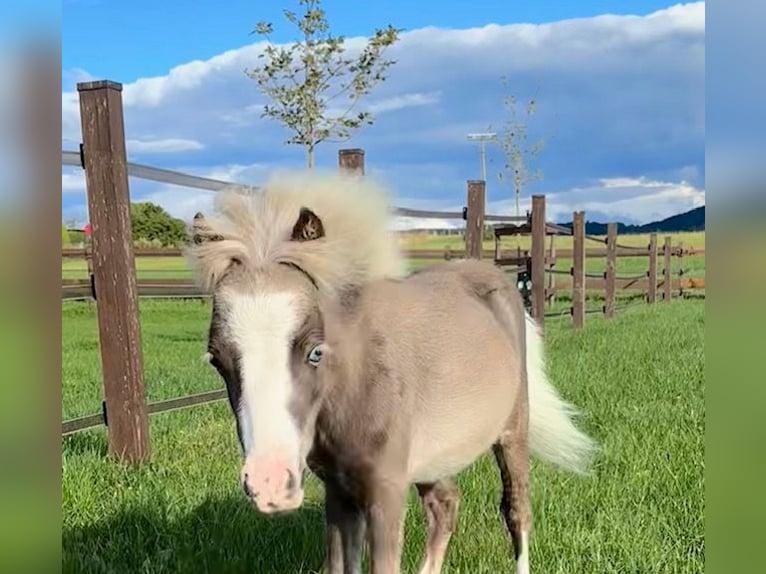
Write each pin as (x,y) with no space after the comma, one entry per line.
(483,138)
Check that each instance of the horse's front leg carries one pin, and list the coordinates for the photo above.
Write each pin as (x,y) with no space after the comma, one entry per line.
(345,523)
(385,525)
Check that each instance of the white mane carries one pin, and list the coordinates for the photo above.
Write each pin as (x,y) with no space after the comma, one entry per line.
(255,227)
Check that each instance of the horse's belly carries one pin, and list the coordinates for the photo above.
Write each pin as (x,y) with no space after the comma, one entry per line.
(453,439)
(430,469)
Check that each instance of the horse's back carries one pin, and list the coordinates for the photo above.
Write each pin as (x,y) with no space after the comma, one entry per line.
(457,365)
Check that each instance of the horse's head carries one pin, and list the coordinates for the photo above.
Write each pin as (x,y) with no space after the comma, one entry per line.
(266,340)
(276,263)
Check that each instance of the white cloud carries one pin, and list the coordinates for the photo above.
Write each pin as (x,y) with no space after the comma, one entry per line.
(629,182)
(249,174)
(618,199)
(167,145)
(152,92)
(182,202)
(392,104)
(76,75)
(404,101)
(70,116)
(244,117)
(73,182)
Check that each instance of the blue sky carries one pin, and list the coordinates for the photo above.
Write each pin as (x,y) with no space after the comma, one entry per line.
(620,87)
(127,34)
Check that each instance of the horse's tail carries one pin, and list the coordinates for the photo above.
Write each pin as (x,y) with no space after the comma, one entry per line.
(553,437)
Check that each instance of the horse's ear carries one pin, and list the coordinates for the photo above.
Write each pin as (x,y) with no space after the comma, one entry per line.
(308,227)
(202,232)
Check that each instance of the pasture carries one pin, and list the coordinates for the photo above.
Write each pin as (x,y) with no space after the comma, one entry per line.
(639,379)
(429,241)
(175,267)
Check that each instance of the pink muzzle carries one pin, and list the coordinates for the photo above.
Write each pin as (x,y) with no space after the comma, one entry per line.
(272,484)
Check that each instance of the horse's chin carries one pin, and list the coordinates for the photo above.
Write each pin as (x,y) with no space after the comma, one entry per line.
(285,506)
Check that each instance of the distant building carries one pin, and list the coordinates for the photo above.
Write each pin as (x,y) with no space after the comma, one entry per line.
(433,231)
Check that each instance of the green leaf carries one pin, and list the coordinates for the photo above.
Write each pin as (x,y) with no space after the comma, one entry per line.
(303,79)
(263,28)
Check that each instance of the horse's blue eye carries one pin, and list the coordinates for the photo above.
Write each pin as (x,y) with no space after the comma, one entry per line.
(315,355)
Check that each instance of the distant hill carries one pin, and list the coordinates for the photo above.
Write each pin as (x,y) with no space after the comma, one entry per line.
(693,220)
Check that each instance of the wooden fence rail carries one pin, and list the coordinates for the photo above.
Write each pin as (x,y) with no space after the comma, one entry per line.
(446,253)
(609,280)
(96,420)
(75,289)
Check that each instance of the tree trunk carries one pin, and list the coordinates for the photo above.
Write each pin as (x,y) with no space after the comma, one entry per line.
(310,156)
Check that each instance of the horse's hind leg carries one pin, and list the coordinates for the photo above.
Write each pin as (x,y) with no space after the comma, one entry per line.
(512,454)
(440,502)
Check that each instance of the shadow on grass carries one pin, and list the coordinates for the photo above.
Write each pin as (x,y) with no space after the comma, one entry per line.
(223,535)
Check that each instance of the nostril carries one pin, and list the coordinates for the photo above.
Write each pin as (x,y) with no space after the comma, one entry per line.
(291,482)
(246,488)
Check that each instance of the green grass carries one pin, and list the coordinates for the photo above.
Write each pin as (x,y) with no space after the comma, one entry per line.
(176,268)
(638,379)
(173,267)
(455,242)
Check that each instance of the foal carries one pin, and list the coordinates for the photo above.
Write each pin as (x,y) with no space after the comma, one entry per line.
(335,361)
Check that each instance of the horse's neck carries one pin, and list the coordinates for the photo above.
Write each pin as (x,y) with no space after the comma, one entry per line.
(341,403)
(344,394)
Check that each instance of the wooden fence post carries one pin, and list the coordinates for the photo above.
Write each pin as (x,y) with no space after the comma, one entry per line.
(474,224)
(551,295)
(578,270)
(538,258)
(680,269)
(114,274)
(651,296)
(667,288)
(351,160)
(611,268)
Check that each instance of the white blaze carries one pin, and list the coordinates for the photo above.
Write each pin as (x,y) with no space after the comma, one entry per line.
(261,326)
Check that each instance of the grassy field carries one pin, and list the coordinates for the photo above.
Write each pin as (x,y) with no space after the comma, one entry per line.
(428,241)
(639,380)
(694,266)
(176,268)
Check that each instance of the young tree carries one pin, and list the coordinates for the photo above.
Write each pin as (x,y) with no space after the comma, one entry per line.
(517,150)
(313,85)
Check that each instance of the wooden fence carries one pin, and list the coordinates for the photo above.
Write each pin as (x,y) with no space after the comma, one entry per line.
(112,283)
(557,281)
